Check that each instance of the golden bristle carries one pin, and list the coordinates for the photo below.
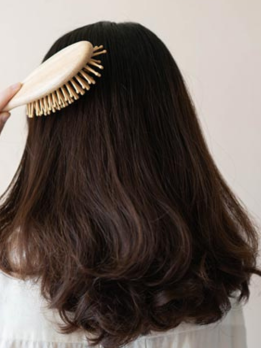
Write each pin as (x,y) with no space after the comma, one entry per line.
(95,60)
(77,87)
(71,91)
(97,53)
(60,98)
(45,106)
(92,70)
(55,101)
(82,82)
(66,95)
(41,107)
(87,77)
(49,101)
(92,62)
(37,108)
(29,110)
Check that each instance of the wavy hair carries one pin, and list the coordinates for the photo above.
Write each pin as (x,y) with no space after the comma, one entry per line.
(117,206)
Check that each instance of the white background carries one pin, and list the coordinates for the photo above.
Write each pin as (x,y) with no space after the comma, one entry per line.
(217,46)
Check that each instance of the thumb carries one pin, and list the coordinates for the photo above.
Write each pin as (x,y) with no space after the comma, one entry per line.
(7,94)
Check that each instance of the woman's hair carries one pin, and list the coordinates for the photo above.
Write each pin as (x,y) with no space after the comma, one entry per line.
(117,205)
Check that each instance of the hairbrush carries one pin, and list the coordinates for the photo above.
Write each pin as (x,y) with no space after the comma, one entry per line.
(59,80)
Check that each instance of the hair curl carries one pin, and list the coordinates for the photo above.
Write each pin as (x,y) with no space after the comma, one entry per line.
(117,205)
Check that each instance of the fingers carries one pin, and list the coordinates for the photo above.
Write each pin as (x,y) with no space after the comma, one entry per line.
(7,94)
(3,118)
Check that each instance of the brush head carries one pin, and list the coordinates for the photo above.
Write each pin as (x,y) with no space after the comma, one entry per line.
(59,80)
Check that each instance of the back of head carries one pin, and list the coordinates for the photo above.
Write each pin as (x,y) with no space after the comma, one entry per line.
(117,205)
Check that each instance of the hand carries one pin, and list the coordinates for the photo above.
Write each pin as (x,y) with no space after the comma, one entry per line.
(6,95)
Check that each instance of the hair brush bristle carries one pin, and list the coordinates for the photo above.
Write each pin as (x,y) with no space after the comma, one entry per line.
(69,91)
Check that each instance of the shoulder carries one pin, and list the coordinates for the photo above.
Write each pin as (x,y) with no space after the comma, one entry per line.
(229,332)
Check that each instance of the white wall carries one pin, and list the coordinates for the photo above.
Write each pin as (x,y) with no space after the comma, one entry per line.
(218,49)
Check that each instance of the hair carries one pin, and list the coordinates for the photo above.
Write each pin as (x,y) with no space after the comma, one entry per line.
(117,205)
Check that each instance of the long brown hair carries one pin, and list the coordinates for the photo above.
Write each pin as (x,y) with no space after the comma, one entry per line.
(117,205)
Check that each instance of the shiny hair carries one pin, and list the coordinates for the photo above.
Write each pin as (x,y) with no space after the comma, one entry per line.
(117,205)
